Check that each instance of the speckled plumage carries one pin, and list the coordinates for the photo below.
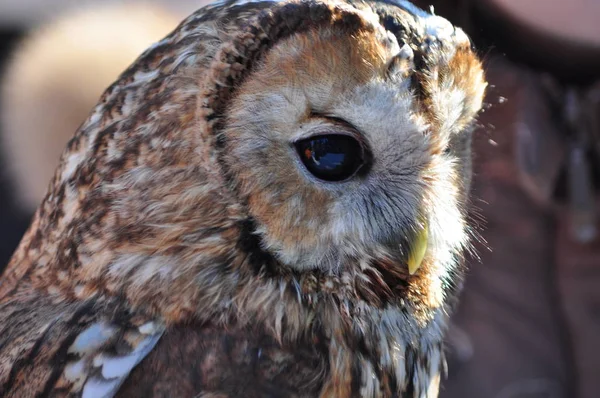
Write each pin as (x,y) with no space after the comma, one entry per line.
(182,251)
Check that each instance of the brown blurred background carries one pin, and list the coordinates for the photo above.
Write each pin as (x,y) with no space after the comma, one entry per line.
(528,323)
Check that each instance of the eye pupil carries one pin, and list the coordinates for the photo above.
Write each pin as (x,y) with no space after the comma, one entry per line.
(331,157)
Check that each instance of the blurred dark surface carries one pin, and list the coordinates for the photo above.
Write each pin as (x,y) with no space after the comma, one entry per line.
(493,29)
(515,339)
(13,221)
(528,321)
(567,59)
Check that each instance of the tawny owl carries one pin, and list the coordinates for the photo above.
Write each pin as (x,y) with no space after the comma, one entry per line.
(271,202)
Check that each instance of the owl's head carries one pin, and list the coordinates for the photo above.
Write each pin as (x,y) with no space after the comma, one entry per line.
(321,141)
(348,140)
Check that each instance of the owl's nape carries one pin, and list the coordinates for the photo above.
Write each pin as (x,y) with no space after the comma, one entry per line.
(270,201)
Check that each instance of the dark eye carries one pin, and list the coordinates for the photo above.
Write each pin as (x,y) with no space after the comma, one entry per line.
(331,157)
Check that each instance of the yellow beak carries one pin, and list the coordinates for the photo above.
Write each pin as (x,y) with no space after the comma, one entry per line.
(418,250)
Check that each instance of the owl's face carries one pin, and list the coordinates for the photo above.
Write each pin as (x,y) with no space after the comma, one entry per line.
(338,158)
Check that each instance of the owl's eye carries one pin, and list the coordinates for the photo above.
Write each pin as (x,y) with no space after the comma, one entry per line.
(331,157)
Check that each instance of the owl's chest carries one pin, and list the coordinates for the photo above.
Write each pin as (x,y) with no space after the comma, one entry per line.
(194,360)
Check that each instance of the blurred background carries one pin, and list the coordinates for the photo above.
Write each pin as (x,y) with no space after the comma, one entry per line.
(528,323)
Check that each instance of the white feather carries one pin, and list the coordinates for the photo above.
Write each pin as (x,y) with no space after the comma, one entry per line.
(92,338)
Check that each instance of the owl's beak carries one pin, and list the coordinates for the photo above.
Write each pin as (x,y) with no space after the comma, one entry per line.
(418,250)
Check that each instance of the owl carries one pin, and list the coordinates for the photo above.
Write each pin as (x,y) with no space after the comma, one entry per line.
(270,202)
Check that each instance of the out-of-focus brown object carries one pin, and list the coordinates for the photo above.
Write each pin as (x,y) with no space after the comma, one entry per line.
(575,20)
(528,322)
(19,14)
(55,78)
(561,37)
(556,36)
(508,314)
